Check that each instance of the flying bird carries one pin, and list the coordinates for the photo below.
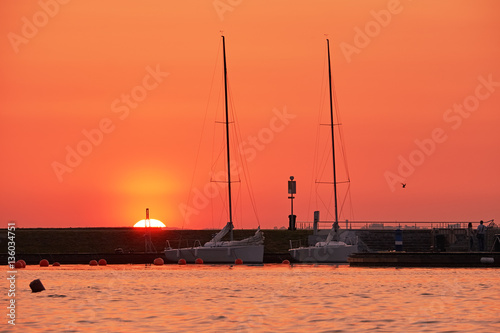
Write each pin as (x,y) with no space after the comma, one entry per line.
(403,184)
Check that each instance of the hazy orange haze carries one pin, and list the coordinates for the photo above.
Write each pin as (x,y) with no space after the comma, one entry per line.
(127,84)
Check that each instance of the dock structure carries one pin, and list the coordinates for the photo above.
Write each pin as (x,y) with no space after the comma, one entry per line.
(438,247)
(425,259)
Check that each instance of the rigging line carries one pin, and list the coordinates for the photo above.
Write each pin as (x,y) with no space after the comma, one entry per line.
(326,206)
(212,213)
(248,183)
(353,217)
(327,152)
(226,142)
(239,207)
(351,205)
(247,177)
(344,201)
(319,163)
(315,167)
(224,211)
(236,158)
(332,128)
(342,182)
(201,139)
(342,143)
(214,131)
(251,195)
(340,136)
(244,163)
(344,154)
(214,162)
(340,130)
(332,195)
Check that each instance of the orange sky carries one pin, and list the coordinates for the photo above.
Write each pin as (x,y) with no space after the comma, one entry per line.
(136,78)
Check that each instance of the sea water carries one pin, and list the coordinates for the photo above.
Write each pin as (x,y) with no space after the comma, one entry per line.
(267,298)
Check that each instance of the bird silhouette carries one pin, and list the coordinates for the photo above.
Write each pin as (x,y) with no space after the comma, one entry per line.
(403,184)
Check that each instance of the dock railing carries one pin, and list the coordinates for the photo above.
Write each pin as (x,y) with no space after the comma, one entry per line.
(386,225)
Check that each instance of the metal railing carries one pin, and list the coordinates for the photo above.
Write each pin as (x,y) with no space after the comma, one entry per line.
(386,225)
(182,243)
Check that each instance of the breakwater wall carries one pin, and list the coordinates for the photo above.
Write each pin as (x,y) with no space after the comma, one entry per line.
(94,241)
(129,240)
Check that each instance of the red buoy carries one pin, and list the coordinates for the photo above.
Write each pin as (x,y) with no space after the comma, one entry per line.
(102,262)
(158,261)
(56,264)
(19,264)
(23,262)
(238,262)
(182,261)
(93,263)
(198,261)
(44,263)
(286,262)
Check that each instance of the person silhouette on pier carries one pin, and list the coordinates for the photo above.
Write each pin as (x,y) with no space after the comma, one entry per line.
(481,231)
(470,236)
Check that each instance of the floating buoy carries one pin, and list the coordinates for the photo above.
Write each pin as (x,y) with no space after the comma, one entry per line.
(93,263)
(23,262)
(238,262)
(19,264)
(44,263)
(487,260)
(158,261)
(182,261)
(102,262)
(36,286)
(198,261)
(56,264)
(286,262)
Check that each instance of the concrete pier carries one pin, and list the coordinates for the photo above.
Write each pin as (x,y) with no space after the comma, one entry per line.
(425,259)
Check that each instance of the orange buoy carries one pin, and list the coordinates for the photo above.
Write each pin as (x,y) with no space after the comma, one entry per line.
(44,263)
(18,264)
(56,264)
(102,262)
(158,261)
(93,263)
(198,261)
(286,262)
(23,262)
(238,262)
(182,261)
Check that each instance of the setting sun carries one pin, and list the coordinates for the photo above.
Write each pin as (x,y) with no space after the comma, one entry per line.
(152,223)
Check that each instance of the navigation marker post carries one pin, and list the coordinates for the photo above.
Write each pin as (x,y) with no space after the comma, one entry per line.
(292,189)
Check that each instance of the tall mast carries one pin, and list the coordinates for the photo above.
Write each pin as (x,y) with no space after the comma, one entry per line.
(332,124)
(227,140)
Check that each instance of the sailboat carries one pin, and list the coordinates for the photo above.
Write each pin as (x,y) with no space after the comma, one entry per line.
(248,250)
(332,249)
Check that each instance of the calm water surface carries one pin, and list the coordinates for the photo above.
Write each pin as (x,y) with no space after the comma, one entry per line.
(269,298)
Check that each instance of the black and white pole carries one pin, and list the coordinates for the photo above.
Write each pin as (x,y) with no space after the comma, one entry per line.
(291,190)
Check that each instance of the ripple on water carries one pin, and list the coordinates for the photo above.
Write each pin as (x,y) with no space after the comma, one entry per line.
(260,299)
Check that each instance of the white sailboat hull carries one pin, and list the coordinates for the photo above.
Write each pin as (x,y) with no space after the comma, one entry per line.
(331,253)
(249,254)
